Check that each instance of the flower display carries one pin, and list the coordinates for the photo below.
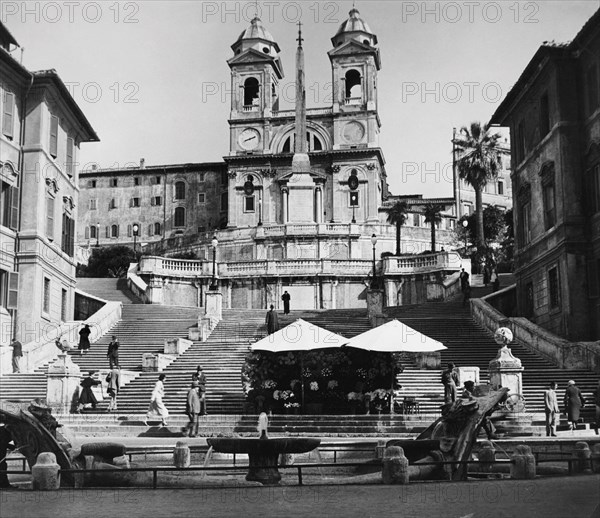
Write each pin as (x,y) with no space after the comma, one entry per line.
(269,384)
(332,384)
(326,372)
(291,405)
(354,396)
(276,395)
(314,386)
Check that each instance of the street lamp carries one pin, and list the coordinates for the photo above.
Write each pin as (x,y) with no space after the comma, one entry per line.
(98,234)
(214,243)
(374,279)
(136,229)
(465,224)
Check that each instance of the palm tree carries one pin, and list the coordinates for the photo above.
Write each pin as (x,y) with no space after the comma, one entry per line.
(478,162)
(397,216)
(433,215)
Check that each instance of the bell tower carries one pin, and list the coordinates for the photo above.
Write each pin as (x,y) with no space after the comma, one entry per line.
(256,72)
(355,62)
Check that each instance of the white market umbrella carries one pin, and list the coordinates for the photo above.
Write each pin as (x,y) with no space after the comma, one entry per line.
(299,336)
(394,336)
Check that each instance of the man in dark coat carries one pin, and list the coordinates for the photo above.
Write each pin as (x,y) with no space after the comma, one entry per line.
(272,321)
(464,279)
(574,402)
(286,302)
(113,352)
(84,339)
(87,396)
(5,446)
(17,354)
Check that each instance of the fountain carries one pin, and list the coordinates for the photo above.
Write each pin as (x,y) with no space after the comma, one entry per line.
(263,452)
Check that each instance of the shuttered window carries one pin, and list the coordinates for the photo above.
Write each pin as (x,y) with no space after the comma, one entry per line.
(50,217)
(70,148)
(54,136)
(8,115)
(46,296)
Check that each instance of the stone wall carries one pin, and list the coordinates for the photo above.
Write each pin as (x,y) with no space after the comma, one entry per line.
(561,352)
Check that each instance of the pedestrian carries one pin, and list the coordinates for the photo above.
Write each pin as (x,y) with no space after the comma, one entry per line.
(272,321)
(466,294)
(490,430)
(113,353)
(157,407)
(114,381)
(86,397)
(200,378)
(84,340)
(597,402)
(6,445)
(464,279)
(450,382)
(192,409)
(496,284)
(286,302)
(17,354)
(551,409)
(574,402)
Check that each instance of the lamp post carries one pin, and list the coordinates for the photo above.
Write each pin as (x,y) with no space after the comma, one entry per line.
(136,230)
(213,283)
(374,283)
(98,234)
(465,224)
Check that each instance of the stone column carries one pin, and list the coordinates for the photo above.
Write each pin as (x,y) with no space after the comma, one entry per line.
(319,205)
(284,205)
(62,388)
(506,371)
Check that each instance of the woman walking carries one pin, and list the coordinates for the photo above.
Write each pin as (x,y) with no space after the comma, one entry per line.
(157,408)
(574,402)
(87,398)
(84,340)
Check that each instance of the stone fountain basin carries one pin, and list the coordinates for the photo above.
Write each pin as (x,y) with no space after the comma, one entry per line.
(263,453)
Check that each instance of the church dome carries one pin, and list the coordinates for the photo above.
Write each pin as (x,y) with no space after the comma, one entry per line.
(354,28)
(257,37)
(256,30)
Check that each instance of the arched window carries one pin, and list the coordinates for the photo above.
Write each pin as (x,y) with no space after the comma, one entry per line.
(314,143)
(179,217)
(180,190)
(157,229)
(251,92)
(93,232)
(353,87)
(114,231)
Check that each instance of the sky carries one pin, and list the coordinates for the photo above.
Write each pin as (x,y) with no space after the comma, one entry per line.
(151,76)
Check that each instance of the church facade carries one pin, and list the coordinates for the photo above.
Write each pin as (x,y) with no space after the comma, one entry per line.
(296,185)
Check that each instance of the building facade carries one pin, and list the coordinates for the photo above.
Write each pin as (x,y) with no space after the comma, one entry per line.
(553,112)
(42,130)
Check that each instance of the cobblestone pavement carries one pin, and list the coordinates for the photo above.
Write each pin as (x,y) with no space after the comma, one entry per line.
(559,497)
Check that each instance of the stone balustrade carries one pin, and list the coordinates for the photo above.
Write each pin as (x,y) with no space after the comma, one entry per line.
(422,263)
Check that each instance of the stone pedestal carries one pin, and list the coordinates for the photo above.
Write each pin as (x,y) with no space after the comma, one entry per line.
(214,305)
(395,466)
(62,388)
(181,455)
(375,299)
(506,371)
(486,456)
(522,463)
(177,346)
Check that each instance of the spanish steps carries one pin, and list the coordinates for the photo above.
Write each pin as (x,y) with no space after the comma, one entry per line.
(144,328)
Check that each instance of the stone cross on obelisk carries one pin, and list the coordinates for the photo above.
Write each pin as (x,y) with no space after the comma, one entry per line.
(300,162)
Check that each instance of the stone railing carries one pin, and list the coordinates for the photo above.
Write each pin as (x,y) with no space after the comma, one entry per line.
(136,284)
(561,352)
(173,267)
(42,348)
(423,263)
(309,111)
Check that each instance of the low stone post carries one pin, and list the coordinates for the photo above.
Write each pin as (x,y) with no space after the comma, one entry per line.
(375,299)
(395,466)
(380,448)
(45,474)
(62,385)
(596,458)
(522,463)
(486,456)
(582,457)
(181,455)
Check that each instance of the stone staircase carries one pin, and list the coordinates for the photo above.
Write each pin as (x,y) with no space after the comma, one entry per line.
(114,290)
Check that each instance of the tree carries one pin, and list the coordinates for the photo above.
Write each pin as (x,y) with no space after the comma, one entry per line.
(397,216)
(433,215)
(494,225)
(109,261)
(478,162)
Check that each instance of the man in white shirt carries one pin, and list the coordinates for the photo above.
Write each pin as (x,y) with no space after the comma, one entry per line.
(551,409)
